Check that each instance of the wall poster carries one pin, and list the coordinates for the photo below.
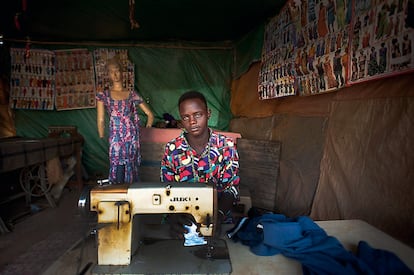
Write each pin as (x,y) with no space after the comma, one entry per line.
(75,83)
(318,46)
(276,78)
(381,41)
(32,79)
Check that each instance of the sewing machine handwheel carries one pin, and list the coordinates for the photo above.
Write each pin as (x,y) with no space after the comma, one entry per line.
(32,181)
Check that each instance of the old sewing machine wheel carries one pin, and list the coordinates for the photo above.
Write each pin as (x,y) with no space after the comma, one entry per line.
(33,181)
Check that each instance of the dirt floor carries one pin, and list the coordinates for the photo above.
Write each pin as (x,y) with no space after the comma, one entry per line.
(42,234)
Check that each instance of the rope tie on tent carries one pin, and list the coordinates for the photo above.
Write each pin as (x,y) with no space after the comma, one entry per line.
(134,23)
(19,15)
(27,48)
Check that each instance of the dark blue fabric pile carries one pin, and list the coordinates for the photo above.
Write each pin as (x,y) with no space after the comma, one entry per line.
(302,239)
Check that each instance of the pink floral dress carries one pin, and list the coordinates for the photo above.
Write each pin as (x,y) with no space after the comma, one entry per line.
(124,136)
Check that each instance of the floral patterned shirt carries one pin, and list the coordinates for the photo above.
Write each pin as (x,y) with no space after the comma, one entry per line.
(217,164)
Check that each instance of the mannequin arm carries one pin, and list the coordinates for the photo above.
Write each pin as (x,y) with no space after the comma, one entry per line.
(150,116)
(100,118)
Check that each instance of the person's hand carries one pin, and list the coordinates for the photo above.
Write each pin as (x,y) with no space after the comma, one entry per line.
(177,221)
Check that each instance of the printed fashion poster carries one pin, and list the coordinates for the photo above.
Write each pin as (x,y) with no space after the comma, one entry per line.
(32,79)
(276,77)
(102,79)
(382,43)
(320,46)
(75,83)
(310,39)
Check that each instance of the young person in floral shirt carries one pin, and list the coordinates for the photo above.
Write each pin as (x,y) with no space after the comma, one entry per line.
(199,154)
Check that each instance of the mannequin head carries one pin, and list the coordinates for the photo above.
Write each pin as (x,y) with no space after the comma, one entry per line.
(115,69)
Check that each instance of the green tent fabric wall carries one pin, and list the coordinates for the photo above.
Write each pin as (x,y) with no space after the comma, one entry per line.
(162,74)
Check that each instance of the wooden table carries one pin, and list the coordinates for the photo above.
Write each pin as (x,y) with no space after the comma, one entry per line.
(32,154)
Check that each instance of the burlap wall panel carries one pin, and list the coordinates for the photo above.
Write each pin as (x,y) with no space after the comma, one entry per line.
(302,148)
(245,100)
(367,168)
(254,128)
(301,151)
(259,170)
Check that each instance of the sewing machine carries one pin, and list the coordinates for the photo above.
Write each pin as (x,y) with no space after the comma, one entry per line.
(116,206)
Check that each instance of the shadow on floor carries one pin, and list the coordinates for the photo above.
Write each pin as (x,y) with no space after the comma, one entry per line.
(39,239)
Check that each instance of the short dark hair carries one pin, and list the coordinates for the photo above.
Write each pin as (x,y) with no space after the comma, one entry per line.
(192,95)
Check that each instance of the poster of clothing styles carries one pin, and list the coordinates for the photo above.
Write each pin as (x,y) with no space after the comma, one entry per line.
(318,46)
(32,79)
(101,74)
(306,47)
(381,40)
(277,75)
(75,82)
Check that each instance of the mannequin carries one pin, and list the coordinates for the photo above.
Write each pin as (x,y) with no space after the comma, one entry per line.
(122,106)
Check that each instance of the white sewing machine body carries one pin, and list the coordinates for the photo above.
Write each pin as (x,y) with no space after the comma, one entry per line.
(116,206)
